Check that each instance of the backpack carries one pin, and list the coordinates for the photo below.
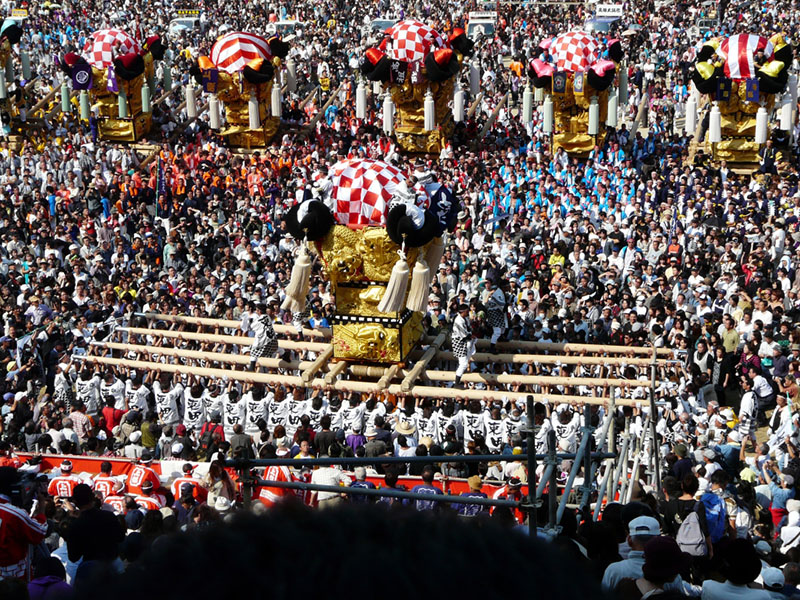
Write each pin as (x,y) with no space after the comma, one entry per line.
(716,516)
(690,536)
(206,439)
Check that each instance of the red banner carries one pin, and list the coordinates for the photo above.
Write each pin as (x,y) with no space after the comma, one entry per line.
(123,466)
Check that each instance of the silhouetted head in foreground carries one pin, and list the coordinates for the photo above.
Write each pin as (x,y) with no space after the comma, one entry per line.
(294,551)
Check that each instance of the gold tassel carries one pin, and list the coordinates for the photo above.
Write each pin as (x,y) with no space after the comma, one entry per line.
(297,290)
(395,293)
(420,281)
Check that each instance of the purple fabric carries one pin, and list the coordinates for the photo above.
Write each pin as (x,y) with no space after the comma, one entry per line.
(354,440)
(49,588)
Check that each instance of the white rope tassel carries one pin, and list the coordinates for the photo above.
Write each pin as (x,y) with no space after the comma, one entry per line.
(434,255)
(395,293)
(292,305)
(420,281)
(297,290)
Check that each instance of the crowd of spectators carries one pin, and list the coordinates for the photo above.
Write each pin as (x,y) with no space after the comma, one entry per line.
(634,246)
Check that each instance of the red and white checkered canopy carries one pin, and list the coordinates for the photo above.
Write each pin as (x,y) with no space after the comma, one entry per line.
(104,45)
(234,50)
(410,41)
(738,51)
(574,51)
(362,190)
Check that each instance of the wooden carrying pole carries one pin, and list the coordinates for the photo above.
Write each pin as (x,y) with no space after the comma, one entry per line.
(44,101)
(481,343)
(323,333)
(386,375)
(312,124)
(362,371)
(555,359)
(422,363)
(364,387)
(319,362)
(589,348)
(493,117)
(233,359)
(524,359)
(239,340)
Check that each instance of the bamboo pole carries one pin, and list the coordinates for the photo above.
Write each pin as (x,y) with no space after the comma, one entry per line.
(238,340)
(363,387)
(555,359)
(149,158)
(233,359)
(32,83)
(323,333)
(421,364)
(319,362)
(640,116)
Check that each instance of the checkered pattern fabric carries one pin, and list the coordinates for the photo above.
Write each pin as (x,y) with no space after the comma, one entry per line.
(233,51)
(362,190)
(104,45)
(574,51)
(411,41)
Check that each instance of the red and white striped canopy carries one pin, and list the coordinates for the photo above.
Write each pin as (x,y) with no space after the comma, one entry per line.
(738,51)
(574,51)
(411,41)
(234,50)
(104,45)
(362,190)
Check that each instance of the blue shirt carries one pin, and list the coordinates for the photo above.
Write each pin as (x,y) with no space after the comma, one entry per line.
(471,510)
(780,495)
(426,488)
(361,498)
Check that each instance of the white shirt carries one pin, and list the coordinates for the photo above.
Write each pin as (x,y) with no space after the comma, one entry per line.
(137,398)
(760,387)
(329,476)
(116,390)
(167,403)
(194,413)
(88,392)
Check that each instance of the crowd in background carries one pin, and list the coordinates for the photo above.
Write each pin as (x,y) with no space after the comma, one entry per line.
(634,246)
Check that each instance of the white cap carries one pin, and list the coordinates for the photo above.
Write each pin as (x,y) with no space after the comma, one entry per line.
(644,526)
(222,504)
